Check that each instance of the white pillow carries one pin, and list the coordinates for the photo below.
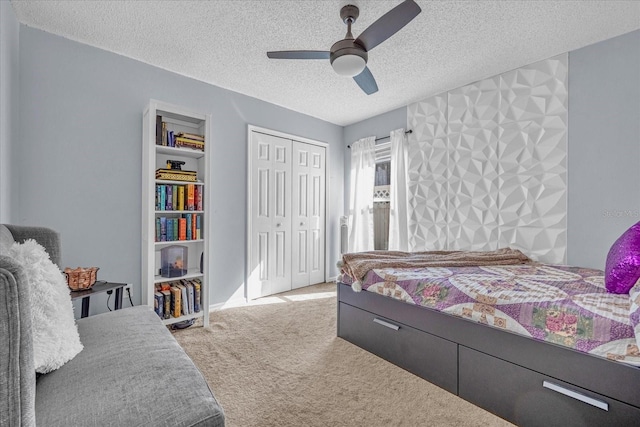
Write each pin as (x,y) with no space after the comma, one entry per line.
(54,331)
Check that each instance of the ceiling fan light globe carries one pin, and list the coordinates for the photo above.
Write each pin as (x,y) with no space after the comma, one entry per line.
(349,65)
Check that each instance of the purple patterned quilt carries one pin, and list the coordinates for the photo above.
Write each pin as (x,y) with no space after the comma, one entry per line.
(563,305)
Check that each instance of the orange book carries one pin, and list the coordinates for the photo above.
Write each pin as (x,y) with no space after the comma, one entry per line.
(194,231)
(182,229)
(176,301)
(191,197)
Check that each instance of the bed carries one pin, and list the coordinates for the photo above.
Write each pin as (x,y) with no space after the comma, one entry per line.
(535,344)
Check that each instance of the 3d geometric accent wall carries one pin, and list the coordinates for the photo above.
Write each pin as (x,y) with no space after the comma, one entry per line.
(428,174)
(473,166)
(488,164)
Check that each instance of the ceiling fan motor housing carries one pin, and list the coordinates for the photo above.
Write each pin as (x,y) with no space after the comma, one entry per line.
(347,47)
(348,58)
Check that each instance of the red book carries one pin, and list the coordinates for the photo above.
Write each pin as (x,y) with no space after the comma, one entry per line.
(194,234)
(200,196)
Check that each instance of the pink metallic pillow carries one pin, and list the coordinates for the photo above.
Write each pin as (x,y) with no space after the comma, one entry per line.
(623,262)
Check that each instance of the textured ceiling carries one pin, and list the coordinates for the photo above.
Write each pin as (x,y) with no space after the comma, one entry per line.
(451,43)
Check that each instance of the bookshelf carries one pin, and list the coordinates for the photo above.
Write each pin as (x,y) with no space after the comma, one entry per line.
(175,211)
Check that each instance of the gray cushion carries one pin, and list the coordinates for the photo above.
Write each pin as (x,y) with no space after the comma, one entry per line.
(132,372)
(6,239)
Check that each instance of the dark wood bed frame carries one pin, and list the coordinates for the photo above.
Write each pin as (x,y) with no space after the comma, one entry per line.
(522,380)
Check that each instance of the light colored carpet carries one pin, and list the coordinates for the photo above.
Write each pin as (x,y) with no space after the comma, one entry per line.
(281,364)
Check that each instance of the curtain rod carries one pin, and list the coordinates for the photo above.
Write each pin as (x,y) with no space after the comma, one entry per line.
(385,137)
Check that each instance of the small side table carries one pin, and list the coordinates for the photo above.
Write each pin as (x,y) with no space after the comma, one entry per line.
(99,287)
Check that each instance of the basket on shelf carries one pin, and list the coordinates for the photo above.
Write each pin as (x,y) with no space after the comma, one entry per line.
(81,278)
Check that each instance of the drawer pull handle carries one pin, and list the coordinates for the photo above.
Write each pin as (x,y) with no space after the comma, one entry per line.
(387,324)
(576,395)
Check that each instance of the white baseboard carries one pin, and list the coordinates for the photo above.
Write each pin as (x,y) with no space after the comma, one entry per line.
(216,307)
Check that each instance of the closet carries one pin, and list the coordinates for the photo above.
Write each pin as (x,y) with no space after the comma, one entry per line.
(286,212)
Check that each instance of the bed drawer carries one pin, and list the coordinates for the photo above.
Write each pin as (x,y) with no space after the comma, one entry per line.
(429,357)
(528,398)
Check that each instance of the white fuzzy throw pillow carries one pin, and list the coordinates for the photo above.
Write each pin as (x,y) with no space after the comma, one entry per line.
(54,330)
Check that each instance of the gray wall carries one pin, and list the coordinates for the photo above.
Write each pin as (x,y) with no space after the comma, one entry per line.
(9,32)
(80,157)
(604,146)
(377,126)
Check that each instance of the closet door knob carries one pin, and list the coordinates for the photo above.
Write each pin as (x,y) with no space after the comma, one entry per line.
(302,223)
(278,224)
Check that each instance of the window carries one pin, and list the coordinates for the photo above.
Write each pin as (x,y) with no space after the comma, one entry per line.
(381,200)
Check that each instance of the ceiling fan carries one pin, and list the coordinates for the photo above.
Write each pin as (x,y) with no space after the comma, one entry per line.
(349,56)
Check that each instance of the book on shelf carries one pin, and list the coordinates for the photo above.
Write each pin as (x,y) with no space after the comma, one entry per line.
(181,198)
(189,287)
(159,304)
(163,229)
(196,295)
(191,197)
(174,195)
(194,226)
(182,142)
(185,301)
(191,136)
(182,229)
(190,295)
(176,175)
(164,133)
(184,172)
(163,197)
(199,193)
(169,191)
(180,138)
(170,236)
(176,301)
(166,312)
(158,130)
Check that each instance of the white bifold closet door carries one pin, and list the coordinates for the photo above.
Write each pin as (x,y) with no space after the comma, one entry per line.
(307,201)
(270,267)
(287,215)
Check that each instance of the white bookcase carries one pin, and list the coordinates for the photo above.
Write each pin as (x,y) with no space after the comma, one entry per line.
(177,119)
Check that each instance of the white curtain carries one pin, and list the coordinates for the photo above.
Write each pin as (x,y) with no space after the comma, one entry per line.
(399,193)
(363,167)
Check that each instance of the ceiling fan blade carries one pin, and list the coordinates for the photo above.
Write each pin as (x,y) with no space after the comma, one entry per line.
(366,81)
(299,54)
(388,24)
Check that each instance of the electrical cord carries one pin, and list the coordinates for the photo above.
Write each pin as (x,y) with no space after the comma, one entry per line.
(129,294)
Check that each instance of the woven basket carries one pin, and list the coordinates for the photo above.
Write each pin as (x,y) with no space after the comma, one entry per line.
(80,278)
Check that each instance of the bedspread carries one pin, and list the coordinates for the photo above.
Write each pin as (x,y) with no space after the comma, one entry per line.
(563,305)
